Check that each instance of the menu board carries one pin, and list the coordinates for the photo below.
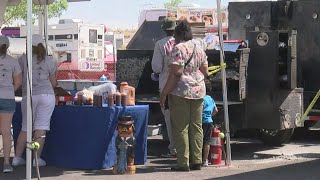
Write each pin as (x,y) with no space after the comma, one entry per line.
(195,16)
(182,14)
(208,16)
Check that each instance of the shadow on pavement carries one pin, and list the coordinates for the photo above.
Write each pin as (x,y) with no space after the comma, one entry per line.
(242,149)
(19,173)
(139,170)
(306,170)
(156,147)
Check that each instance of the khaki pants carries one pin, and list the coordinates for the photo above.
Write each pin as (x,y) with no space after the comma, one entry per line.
(186,119)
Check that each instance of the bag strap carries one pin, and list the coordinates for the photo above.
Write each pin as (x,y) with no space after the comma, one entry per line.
(188,62)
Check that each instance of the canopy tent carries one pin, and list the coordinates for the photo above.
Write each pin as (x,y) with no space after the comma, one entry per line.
(44,3)
(224,85)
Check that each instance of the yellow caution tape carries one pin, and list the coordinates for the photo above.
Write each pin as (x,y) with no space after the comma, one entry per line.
(313,102)
(215,69)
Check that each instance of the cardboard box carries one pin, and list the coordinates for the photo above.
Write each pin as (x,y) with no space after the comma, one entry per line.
(62,96)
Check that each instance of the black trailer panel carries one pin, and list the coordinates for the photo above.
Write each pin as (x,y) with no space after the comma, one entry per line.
(147,36)
(306,20)
(245,16)
(261,107)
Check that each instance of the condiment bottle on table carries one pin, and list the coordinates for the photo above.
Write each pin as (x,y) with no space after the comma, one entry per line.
(129,91)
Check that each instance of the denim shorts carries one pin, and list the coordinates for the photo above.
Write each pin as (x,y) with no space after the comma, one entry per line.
(7,105)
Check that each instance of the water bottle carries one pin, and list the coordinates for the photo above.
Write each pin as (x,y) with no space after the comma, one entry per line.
(103,78)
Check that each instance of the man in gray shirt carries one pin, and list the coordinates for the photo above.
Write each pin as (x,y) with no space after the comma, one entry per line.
(160,59)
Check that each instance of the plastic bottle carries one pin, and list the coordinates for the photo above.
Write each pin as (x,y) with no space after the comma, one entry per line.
(80,99)
(103,78)
(123,99)
(118,99)
(110,100)
(97,100)
(130,93)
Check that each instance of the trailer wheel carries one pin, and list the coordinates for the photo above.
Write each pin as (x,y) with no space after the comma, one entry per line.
(275,137)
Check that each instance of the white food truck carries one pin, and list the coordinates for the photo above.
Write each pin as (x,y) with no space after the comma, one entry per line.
(77,46)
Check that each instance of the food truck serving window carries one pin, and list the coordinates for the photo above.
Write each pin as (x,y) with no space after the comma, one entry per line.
(93,36)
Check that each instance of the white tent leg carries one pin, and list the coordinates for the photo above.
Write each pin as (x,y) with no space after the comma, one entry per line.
(29,89)
(224,86)
(46,25)
(41,21)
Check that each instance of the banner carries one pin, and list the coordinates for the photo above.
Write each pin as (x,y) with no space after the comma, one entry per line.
(87,65)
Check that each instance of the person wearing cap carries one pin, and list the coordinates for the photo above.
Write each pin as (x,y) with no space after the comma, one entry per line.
(43,98)
(160,59)
(10,80)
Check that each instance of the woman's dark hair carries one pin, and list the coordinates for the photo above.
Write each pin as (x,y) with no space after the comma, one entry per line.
(169,32)
(40,51)
(183,31)
(3,50)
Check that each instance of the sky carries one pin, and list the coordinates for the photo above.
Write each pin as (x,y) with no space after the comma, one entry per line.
(117,13)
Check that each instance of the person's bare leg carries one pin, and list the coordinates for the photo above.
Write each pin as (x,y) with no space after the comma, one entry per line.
(21,143)
(5,125)
(206,149)
(41,140)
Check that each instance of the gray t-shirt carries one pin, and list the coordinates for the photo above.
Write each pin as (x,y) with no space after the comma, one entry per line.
(9,67)
(40,75)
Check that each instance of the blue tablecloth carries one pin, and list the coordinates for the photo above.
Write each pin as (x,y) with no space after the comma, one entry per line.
(83,137)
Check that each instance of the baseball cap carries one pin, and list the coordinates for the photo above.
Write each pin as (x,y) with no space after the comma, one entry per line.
(4,40)
(37,39)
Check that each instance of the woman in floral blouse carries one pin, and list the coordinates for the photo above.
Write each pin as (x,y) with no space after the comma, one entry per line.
(186,89)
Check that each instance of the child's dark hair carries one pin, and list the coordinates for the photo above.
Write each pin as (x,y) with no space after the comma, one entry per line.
(183,30)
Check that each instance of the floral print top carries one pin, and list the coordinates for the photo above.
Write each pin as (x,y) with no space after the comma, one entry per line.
(191,85)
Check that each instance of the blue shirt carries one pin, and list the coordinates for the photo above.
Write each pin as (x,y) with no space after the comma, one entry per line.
(208,106)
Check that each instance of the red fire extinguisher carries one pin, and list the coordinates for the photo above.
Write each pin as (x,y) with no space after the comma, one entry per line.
(215,147)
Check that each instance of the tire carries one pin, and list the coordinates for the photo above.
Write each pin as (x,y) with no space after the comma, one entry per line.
(275,137)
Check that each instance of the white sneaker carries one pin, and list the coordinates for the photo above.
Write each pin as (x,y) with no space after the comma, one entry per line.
(205,163)
(169,155)
(7,168)
(18,161)
(41,162)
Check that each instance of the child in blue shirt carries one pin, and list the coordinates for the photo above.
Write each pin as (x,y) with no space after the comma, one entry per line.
(209,109)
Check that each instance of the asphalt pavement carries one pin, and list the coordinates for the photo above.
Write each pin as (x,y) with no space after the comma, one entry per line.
(299,159)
